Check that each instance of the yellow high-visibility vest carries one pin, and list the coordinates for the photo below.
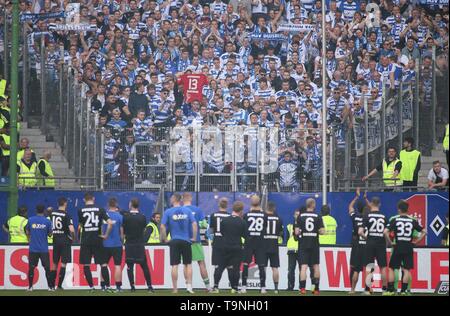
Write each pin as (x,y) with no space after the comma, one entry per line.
(329,238)
(3,88)
(445,142)
(292,244)
(46,181)
(50,239)
(409,162)
(16,228)
(154,237)
(7,140)
(27,175)
(388,172)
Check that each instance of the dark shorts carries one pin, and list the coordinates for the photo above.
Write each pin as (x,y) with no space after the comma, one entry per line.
(357,257)
(63,252)
(89,251)
(309,256)
(273,257)
(134,253)
(115,253)
(180,249)
(402,257)
(217,255)
(225,257)
(34,258)
(257,251)
(376,252)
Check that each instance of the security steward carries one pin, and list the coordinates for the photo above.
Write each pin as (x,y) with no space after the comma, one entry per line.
(292,252)
(391,168)
(410,159)
(45,173)
(5,142)
(330,225)
(27,169)
(152,234)
(15,226)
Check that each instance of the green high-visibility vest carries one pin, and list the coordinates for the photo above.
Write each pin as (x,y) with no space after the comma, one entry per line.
(329,238)
(46,181)
(388,172)
(154,237)
(409,161)
(3,88)
(7,140)
(50,238)
(292,244)
(27,175)
(16,226)
(445,142)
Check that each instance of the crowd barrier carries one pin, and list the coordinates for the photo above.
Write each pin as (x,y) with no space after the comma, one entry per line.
(431,268)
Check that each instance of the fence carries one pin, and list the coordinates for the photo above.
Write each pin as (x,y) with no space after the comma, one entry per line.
(185,159)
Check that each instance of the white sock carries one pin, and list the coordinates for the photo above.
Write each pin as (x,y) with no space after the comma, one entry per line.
(189,287)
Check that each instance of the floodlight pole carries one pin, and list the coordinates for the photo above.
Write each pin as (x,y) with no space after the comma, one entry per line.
(324,109)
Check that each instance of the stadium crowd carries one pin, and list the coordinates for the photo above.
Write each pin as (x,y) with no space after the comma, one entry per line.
(152,64)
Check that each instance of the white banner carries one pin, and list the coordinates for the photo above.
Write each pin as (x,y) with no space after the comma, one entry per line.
(72,27)
(431,268)
(73,13)
(295,27)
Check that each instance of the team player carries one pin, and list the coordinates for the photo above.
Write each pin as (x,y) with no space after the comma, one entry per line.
(134,224)
(218,244)
(180,222)
(197,248)
(403,227)
(90,219)
(113,244)
(63,236)
(375,223)
(272,233)
(309,227)
(38,229)
(233,228)
(357,254)
(253,247)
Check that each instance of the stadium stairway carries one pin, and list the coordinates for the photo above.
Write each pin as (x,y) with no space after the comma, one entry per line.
(39,143)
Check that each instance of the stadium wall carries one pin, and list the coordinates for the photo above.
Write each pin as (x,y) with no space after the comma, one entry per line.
(432,268)
(429,208)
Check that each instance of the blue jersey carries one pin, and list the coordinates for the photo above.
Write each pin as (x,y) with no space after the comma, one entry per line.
(39,227)
(114,237)
(199,216)
(178,221)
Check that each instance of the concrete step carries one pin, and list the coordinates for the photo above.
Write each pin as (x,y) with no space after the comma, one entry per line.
(38,145)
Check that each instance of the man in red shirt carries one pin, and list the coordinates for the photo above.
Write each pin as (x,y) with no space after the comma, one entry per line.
(192,86)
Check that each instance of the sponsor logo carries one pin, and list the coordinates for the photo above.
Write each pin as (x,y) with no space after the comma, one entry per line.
(442,288)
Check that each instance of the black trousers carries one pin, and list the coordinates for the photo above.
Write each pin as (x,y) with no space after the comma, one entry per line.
(292,265)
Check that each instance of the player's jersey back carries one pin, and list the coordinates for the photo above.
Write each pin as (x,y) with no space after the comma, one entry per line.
(215,222)
(233,229)
(309,224)
(114,239)
(255,220)
(273,230)
(375,224)
(403,227)
(91,219)
(178,221)
(61,222)
(199,216)
(134,224)
(357,223)
(39,228)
